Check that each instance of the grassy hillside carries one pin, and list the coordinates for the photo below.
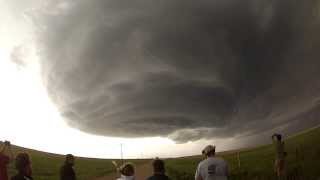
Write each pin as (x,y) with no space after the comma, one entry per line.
(256,163)
(303,160)
(46,166)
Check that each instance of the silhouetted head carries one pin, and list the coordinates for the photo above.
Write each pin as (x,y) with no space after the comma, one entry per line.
(127,169)
(23,164)
(209,151)
(158,166)
(279,137)
(69,159)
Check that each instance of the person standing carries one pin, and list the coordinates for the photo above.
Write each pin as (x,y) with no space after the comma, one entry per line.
(6,156)
(158,170)
(23,166)
(279,165)
(212,168)
(67,172)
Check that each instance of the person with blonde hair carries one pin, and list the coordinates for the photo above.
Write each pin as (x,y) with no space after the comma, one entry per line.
(127,172)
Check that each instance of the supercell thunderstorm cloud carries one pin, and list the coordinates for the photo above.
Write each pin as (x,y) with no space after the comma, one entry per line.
(182,69)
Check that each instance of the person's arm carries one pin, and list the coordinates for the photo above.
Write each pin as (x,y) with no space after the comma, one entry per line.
(198,174)
(73,174)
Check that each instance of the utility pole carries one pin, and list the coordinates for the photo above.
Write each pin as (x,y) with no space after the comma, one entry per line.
(239,161)
(121,154)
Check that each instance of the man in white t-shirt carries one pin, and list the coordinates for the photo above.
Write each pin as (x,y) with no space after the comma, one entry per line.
(212,168)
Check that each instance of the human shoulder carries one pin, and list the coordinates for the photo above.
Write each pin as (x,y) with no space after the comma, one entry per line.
(216,160)
(201,164)
(205,161)
(222,161)
(66,167)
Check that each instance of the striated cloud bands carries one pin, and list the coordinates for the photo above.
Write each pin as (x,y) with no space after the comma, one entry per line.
(181,69)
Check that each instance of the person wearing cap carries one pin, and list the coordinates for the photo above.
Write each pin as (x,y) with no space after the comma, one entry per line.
(212,168)
(67,171)
(23,166)
(158,170)
(127,172)
(6,156)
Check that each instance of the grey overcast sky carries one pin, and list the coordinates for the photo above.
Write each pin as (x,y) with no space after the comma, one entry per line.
(184,70)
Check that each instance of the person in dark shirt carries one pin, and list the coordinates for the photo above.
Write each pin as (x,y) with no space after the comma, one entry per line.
(158,170)
(67,171)
(23,166)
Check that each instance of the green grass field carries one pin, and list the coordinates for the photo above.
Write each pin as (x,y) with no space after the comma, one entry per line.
(303,160)
(46,166)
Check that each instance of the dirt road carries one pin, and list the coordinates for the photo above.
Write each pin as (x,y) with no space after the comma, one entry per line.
(142,172)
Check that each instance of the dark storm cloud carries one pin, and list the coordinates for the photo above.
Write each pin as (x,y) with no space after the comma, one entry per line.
(180,69)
